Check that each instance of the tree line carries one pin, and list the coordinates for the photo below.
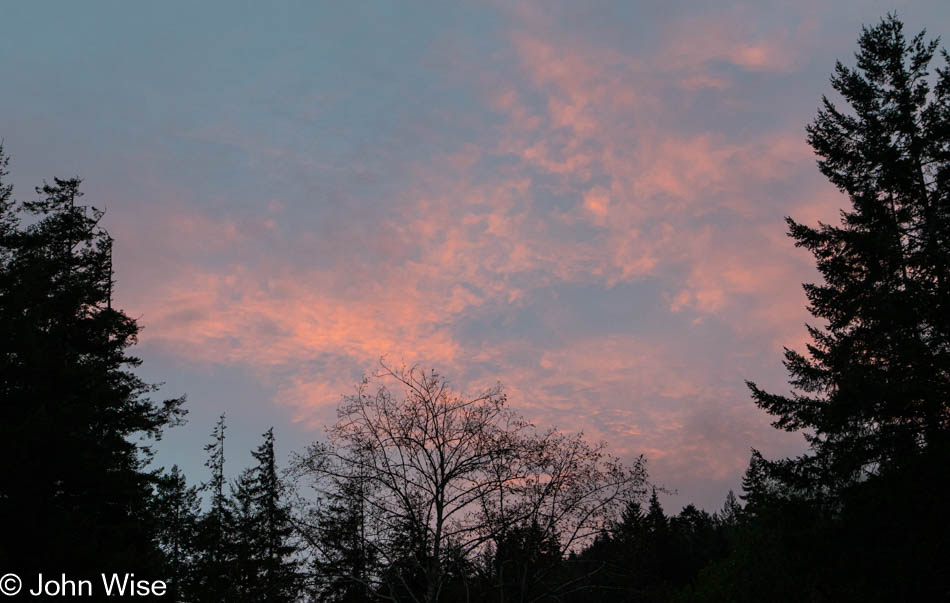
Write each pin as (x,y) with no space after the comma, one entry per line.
(421,493)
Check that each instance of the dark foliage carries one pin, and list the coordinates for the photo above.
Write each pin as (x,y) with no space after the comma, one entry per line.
(177,507)
(246,546)
(265,556)
(432,496)
(74,488)
(344,560)
(214,559)
(860,517)
(874,389)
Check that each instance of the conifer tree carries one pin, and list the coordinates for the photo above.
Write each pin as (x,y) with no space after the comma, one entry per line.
(214,566)
(728,517)
(630,529)
(871,393)
(274,548)
(346,565)
(245,571)
(874,389)
(74,483)
(8,217)
(655,521)
(177,508)
(263,554)
(526,563)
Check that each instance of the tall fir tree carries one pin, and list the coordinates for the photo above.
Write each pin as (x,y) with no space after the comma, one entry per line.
(74,483)
(263,555)
(861,515)
(214,564)
(526,564)
(245,569)
(874,389)
(274,550)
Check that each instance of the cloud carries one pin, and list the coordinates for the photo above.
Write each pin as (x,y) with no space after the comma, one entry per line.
(695,45)
(588,166)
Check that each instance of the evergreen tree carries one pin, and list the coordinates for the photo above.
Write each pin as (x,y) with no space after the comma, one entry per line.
(631,527)
(245,571)
(655,566)
(214,565)
(875,388)
(728,521)
(730,513)
(74,488)
(526,563)
(274,549)
(861,516)
(345,563)
(8,217)
(263,563)
(759,490)
(655,522)
(177,508)
(693,543)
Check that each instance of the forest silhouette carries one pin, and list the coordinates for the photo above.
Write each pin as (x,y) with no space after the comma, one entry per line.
(422,493)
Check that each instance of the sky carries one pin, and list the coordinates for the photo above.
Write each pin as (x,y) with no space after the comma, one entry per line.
(583,201)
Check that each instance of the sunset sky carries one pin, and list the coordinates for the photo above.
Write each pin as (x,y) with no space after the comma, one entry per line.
(584,201)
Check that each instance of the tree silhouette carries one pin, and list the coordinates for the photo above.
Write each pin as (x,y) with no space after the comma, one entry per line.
(215,563)
(425,494)
(74,487)
(874,388)
(345,559)
(861,516)
(177,509)
(264,534)
(450,477)
(525,563)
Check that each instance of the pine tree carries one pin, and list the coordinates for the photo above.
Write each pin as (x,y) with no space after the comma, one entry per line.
(693,543)
(874,389)
(653,565)
(74,487)
(758,488)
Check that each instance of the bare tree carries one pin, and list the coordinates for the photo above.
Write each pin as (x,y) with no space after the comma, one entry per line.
(447,477)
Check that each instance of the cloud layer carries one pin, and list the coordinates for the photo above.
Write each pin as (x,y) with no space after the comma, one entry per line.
(585,204)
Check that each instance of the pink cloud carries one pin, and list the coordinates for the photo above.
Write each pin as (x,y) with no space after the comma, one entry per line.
(692,44)
(643,200)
